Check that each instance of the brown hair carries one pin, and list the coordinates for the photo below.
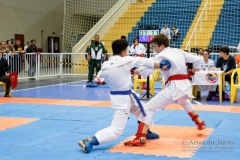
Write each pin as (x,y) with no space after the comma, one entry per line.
(161,39)
(206,50)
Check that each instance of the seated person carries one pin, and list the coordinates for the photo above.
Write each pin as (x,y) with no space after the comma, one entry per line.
(137,49)
(3,76)
(206,63)
(227,64)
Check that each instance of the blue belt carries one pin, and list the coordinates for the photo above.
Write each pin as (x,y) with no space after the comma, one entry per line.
(134,95)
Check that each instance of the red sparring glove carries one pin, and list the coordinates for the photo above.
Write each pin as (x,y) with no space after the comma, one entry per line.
(99,81)
(190,73)
(141,55)
(132,70)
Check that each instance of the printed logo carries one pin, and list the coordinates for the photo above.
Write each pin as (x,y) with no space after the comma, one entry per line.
(212,77)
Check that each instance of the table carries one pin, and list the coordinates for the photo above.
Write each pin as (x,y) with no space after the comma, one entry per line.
(208,78)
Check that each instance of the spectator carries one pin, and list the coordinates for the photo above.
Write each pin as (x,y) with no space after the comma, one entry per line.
(28,45)
(166,31)
(10,46)
(200,51)
(137,49)
(3,76)
(96,51)
(175,33)
(226,63)
(25,60)
(18,58)
(3,47)
(31,58)
(11,57)
(4,50)
(206,63)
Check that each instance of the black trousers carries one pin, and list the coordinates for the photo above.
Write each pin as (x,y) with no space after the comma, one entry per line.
(93,63)
(6,80)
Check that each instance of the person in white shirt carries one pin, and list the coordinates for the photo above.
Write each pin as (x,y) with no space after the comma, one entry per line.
(138,49)
(28,45)
(206,64)
(116,72)
(177,85)
(166,31)
(175,34)
(25,60)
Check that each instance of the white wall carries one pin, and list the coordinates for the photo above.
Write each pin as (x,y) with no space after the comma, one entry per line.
(30,17)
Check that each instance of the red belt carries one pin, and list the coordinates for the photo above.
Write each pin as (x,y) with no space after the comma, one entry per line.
(177,77)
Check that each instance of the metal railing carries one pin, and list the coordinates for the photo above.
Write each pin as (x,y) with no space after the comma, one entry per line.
(204,10)
(36,66)
(32,65)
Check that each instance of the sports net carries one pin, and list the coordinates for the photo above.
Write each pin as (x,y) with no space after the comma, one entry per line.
(201,23)
(80,16)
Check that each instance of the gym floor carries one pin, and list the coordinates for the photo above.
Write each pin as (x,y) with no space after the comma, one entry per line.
(44,119)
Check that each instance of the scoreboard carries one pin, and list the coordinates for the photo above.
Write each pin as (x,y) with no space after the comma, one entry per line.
(146,35)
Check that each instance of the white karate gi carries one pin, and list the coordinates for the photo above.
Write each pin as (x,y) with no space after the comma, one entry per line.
(116,72)
(179,90)
(138,49)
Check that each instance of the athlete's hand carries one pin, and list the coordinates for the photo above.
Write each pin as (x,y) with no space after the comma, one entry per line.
(136,72)
(192,71)
(165,68)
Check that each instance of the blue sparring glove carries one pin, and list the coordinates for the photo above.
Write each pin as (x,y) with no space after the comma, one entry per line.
(165,63)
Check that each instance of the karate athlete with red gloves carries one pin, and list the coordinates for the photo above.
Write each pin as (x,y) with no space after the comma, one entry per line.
(177,86)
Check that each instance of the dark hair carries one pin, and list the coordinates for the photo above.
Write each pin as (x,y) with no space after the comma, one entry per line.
(8,41)
(161,39)
(206,50)
(135,39)
(123,37)
(224,49)
(33,40)
(118,46)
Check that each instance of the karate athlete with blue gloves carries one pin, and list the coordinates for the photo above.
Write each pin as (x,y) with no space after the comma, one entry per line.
(177,84)
(116,72)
